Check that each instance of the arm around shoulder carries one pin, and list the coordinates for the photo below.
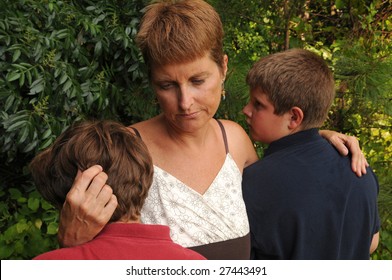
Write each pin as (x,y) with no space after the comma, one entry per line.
(345,144)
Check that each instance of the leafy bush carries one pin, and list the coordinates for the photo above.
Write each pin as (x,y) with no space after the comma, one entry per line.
(63,61)
(60,61)
(30,225)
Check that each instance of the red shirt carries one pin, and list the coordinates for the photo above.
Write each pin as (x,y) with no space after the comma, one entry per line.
(123,241)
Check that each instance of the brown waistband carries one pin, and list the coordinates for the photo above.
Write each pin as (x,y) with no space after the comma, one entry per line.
(233,249)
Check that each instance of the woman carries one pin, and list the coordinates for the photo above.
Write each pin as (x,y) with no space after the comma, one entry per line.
(198,161)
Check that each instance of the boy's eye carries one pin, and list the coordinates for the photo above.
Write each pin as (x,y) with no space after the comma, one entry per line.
(258,105)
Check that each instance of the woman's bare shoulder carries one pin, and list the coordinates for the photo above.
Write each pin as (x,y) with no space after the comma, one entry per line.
(147,126)
(233,129)
(240,145)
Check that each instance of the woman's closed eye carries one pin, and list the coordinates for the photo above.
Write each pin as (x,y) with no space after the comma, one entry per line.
(198,81)
(166,86)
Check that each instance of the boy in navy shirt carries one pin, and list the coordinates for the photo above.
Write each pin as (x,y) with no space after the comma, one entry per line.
(303,201)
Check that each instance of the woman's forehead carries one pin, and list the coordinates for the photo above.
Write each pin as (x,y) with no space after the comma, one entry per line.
(197,66)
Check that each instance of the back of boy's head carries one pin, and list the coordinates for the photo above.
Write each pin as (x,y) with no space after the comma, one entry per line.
(123,156)
(295,77)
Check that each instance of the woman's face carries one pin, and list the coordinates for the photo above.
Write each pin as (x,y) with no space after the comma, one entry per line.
(189,93)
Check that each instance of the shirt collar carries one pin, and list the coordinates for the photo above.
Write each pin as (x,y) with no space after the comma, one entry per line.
(293,139)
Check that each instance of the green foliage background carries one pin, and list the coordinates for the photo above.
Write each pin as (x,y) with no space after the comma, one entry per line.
(62,61)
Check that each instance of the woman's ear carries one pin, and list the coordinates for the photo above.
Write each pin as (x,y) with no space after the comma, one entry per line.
(297,116)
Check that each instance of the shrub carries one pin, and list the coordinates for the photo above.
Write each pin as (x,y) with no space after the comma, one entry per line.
(60,61)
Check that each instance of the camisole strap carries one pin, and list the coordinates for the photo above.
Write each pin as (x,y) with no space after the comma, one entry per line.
(224,135)
(136,132)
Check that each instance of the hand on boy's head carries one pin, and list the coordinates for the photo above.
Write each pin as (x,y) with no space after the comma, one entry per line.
(88,207)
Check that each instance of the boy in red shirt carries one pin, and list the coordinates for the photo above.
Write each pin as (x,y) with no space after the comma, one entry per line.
(128,165)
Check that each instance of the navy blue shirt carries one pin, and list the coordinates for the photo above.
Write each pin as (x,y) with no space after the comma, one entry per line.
(304,202)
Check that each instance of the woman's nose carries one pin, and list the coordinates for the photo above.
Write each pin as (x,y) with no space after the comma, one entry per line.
(185,98)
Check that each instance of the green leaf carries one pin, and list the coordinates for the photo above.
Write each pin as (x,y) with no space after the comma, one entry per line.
(46,143)
(21,200)
(100,18)
(17,125)
(7,40)
(9,102)
(47,133)
(30,146)
(128,30)
(46,205)
(22,226)
(20,66)
(61,34)
(98,48)
(21,79)
(63,78)
(14,193)
(33,203)
(16,55)
(57,72)
(38,223)
(23,134)
(6,250)
(16,117)
(37,86)
(12,76)
(133,67)
(67,85)
(52,228)
(26,65)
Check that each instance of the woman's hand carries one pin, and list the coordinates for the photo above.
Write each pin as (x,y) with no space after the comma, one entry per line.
(88,207)
(345,144)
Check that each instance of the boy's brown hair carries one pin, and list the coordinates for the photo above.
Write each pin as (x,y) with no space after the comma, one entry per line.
(123,156)
(178,31)
(295,77)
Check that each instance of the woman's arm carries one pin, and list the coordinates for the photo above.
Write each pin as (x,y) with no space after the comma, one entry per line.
(375,241)
(88,207)
(345,144)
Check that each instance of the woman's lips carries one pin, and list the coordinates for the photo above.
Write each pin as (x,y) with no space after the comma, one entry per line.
(189,115)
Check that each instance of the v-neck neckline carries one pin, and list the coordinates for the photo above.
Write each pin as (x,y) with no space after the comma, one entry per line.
(178,181)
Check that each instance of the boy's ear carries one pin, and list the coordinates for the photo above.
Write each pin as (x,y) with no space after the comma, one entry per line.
(297,116)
